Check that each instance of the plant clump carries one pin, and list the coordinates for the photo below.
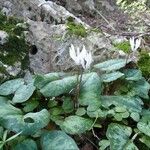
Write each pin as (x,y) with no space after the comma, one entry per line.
(144,62)
(16,48)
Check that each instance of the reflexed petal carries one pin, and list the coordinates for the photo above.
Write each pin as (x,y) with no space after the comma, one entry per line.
(137,43)
(83,52)
(78,51)
(81,58)
(73,54)
(132,43)
(89,60)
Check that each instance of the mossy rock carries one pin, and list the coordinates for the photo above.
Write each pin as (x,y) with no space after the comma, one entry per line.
(16,48)
(76,29)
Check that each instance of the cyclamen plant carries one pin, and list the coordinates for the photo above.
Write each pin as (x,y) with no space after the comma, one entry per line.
(111,107)
(83,60)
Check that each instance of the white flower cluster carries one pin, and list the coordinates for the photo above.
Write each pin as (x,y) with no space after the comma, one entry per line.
(82,57)
(135,43)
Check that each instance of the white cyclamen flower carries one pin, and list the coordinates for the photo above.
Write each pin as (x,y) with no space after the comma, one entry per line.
(135,43)
(75,54)
(83,58)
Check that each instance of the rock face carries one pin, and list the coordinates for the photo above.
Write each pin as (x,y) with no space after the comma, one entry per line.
(52,28)
(13,47)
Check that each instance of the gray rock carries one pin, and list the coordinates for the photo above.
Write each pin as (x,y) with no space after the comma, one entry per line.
(48,33)
(53,42)
(73,5)
(14,70)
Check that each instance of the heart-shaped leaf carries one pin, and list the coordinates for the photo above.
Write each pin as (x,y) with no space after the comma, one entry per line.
(132,104)
(90,92)
(41,80)
(118,136)
(144,125)
(23,93)
(112,76)
(9,87)
(14,120)
(27,144)
(76,125)
(140,88)
(132,74)
(57,140)
(111,65)
(55,88)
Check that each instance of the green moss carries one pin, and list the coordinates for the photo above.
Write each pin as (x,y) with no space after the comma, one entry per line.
(16,48)
(8,24)
(124,46)
(144,63)
(76,29)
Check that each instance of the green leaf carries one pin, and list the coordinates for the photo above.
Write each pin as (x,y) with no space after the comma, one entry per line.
(132,74)
(140,88)
(90,92)
(125,114)
(41,80)
(52,103)
(58,87)
(23,93)
(30,105)
(145,140)
(132,104)
(81,111)
(27,144)
(56,111)
(120,109)
(98,113)
(6,108)
(130,146)
(68,105)
(112,76)
(118,136)
(118,116)
(1,132)
(1,145)
(57,140)
(9,87)
(104,144)
(135,116)
(57,119)
(144,125)
(111,65)
(13,119)
(76,125)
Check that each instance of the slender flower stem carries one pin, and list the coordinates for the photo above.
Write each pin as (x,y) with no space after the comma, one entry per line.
(127,58)
(78,87)
(134,136)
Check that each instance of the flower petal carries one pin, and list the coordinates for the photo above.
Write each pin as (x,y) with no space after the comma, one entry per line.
(137,43)
(73,54)
(89,60)
(132,43)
